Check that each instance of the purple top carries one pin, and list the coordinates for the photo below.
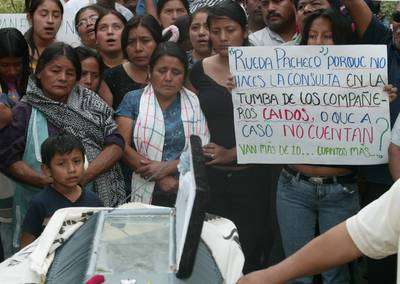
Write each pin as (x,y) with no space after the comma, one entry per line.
(13,137)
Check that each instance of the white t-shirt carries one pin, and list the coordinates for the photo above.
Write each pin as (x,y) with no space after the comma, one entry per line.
(265,37)
(376,228)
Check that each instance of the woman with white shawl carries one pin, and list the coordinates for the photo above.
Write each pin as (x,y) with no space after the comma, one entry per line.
(156,123)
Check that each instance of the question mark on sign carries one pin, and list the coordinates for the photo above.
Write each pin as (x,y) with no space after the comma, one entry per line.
(384,131)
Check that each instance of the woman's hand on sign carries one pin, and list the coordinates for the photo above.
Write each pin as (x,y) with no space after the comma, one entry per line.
(218,155)
(391,91)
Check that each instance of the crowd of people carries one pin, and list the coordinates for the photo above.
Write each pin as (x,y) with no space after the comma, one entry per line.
(106,122)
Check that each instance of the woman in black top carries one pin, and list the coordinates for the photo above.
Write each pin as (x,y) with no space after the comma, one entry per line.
(139,38)
(236,190)
(108,30)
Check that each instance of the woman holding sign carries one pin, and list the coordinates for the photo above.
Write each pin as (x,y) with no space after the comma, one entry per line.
(236,191)
(322,195)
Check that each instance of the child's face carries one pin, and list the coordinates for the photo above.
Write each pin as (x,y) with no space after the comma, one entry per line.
(67,169)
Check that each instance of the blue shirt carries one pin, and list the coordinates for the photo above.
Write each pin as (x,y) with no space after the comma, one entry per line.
(174,137)
(378,33)
(44,204)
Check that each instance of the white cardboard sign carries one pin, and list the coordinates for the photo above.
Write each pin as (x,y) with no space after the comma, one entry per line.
(311,104)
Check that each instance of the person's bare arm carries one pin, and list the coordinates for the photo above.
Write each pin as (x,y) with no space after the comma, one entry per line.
(21,171)
(105,93)
(151,9)
(5,115)
(110,155)
(27,239)
(130,157)
(394,161)
(360,13)
(332,248)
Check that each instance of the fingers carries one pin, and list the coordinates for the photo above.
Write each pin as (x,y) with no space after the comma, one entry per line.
(390,89)
(208,153)
(210,146)
(145,161)
(214,161)
(145,172)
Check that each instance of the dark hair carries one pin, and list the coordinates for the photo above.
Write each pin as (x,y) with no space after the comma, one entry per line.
(107,4)
(97,8)
(31,6)
(335,4)
(108,12)
(232,10)
(61,144)
(161,4)
(342,32)
(55,50)
(198,11)
(13,44)
(146,21)
(183,24)
(84,52)
(171,49)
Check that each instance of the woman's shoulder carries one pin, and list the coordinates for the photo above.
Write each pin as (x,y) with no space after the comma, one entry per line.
(197,74)
(130,103)
(134,94)
(201,66)
(197,67)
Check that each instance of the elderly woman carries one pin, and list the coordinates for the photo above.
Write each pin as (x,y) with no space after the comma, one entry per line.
(85,20)
(156,123)
(54,102)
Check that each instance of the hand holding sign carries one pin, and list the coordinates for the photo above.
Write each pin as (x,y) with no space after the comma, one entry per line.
(311,104)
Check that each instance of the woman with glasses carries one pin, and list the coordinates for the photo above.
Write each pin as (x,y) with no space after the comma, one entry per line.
(85,20)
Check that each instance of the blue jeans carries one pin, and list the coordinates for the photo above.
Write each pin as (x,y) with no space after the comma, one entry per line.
(302,205)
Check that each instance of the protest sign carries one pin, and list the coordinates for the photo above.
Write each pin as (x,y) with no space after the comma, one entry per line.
(311,104)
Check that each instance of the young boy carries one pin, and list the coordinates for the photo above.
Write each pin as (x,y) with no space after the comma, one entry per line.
(63,161)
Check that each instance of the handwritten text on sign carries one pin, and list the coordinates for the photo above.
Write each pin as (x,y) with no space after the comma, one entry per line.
(311,104)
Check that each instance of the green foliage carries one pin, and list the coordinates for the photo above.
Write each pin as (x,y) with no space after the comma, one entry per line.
(12,6)
(387,9)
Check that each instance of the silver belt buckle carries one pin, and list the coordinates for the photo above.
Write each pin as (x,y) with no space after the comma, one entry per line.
(316,180)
